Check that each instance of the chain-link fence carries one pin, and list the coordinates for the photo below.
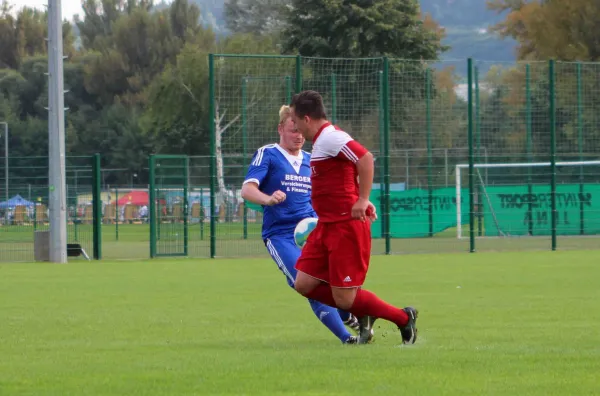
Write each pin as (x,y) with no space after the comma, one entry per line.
(24,204)
(505,160)
(521,139)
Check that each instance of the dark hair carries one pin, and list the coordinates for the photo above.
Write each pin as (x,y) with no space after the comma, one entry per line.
(309,103)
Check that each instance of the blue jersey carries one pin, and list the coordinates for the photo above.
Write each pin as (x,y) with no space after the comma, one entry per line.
(273,169)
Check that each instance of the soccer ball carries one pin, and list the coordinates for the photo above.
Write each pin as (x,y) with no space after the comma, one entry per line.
(303,229)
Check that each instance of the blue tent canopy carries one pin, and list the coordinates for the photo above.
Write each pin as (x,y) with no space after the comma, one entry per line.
(15,201)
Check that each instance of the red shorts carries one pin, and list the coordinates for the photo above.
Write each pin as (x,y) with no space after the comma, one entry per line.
(338,253)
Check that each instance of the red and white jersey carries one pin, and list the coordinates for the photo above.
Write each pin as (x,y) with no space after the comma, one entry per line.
(334,176)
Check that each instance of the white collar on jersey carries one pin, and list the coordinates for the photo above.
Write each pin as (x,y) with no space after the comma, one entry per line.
(295,161)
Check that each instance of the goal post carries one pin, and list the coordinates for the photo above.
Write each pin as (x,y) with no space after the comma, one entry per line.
(516,206)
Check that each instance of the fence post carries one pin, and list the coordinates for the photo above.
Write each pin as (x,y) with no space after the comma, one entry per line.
(117,213)
(407,167)
(202,213)
(97,208)
(386,150)
(245,145)
(478,150)
(429,153)
(186,189)
(529,145)
(382,111)
(298,74)
(552,116)
(580,144)
(153,215)
(213,154)
(471,158)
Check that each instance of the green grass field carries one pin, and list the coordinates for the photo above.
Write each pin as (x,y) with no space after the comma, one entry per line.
(491,323)
(131,241)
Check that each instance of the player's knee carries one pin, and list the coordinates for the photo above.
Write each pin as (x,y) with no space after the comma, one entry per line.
(344,298)
(302,287)
(305,284)
(343,303)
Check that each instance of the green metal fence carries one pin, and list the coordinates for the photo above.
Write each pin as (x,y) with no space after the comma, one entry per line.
(169,193)
(24,205)
(125,213)
(522,139)
(470,156)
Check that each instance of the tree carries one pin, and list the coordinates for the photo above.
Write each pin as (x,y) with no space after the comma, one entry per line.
(185,20)
(140,45)
(25,35)
(544,30)
(343,29)
(260,17)
(573,25)
(359,28)
(176,117)
(126,45)
(99,18)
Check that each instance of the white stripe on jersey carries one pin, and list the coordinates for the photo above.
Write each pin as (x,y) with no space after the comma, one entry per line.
(349,154)
(260,153)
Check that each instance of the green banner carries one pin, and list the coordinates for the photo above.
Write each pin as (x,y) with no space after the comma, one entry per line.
(508,210)
(512,210)
(410,213)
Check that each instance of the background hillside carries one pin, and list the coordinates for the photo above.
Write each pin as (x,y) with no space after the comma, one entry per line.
(466,23)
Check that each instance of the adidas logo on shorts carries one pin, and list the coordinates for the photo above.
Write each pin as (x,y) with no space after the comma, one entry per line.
(347,279)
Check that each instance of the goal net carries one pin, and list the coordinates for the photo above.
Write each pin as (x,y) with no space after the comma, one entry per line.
(515,199)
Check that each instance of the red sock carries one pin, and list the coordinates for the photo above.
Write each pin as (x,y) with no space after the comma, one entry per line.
(322,293)
(367,303)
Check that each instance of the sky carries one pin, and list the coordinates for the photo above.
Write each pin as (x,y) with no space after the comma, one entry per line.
(69,7)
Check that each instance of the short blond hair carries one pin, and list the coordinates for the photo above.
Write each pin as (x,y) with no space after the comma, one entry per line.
(285,112)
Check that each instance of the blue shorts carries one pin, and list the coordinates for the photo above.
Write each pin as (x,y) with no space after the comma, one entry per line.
(285,253)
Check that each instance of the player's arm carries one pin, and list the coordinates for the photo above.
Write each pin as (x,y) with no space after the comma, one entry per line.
(257,173)
(365,167)
(353,151)
(251,192)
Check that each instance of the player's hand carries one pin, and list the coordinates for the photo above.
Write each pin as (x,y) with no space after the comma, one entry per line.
(276,198)
(359,210)
(371,212)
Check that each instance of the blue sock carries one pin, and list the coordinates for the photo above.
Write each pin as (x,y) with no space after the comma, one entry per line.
(330,318)
(344,315)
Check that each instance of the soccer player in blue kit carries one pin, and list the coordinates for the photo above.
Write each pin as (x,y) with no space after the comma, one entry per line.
(278,179)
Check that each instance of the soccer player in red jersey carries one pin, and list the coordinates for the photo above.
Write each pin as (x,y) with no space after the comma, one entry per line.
(335,259)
